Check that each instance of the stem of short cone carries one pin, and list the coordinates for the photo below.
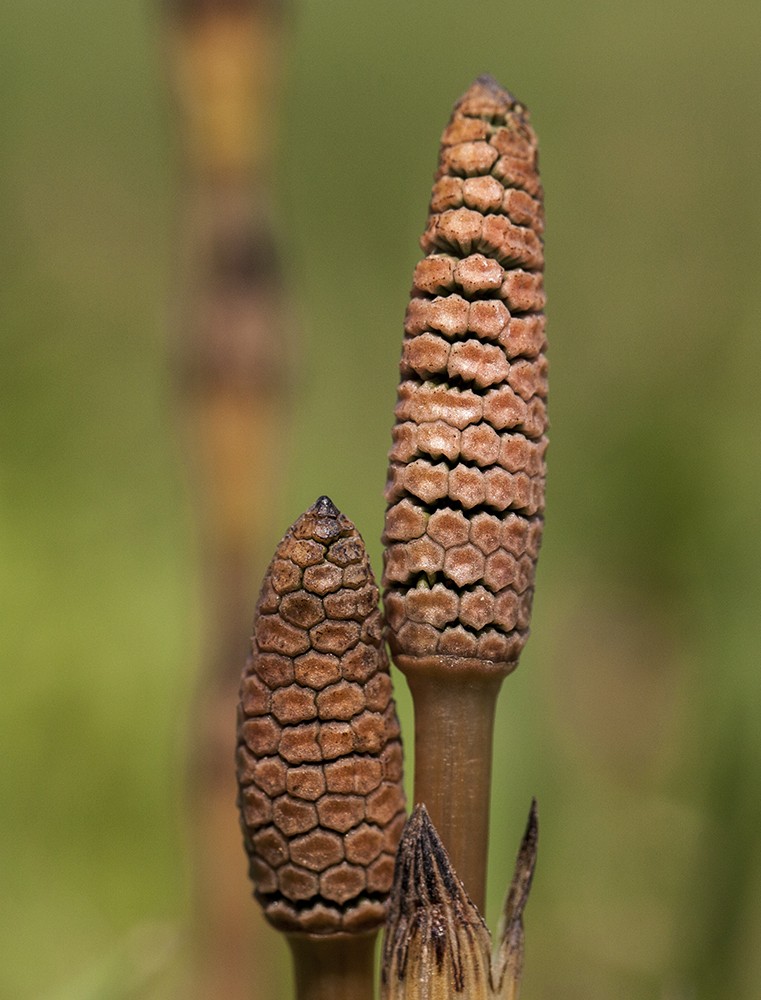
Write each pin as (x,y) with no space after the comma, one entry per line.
(333,967)
(454,726)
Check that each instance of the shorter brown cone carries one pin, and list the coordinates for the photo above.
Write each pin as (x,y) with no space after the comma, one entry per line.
(319,754)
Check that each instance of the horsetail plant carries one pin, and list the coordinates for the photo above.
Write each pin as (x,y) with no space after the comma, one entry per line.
(465,488)
(319,756)
(319,750)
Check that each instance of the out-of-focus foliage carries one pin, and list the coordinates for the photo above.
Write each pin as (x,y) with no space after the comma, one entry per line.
(632,715)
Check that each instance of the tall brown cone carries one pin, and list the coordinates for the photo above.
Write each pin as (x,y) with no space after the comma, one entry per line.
(465,487)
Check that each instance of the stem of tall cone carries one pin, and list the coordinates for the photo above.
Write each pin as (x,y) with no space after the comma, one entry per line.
(454,723)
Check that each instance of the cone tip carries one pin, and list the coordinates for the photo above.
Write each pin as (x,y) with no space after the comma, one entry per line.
(324,507)
(487,98)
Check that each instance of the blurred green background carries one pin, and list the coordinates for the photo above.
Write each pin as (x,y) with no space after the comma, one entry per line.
(634,717)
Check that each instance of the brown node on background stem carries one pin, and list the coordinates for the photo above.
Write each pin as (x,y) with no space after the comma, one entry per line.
(465,488)
(319,755)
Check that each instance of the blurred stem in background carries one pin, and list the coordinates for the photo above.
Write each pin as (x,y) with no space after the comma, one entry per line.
(229,361)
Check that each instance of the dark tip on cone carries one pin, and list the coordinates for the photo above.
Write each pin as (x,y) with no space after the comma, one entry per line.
(487,98)
(488,81)
(325,520)
(324,507)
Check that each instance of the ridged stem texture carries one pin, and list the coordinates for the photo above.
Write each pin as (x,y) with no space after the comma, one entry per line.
(319,755)
(465,490)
